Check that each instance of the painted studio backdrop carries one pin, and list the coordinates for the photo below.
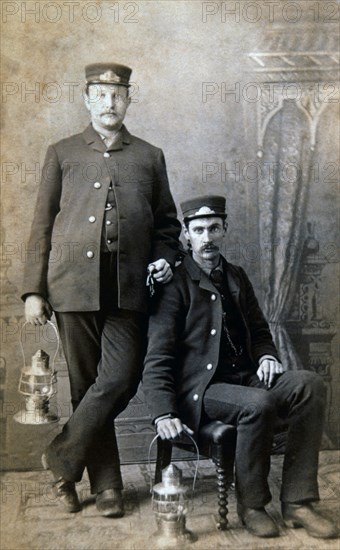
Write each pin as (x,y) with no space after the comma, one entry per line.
(243,99)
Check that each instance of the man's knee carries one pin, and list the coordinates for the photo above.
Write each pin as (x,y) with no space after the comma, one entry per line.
(262,405)
(118,390)
(310,380)
(307,389)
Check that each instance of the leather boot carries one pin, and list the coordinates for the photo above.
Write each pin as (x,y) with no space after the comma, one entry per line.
(257,521)
(304,515)
(64,490)
(110,503)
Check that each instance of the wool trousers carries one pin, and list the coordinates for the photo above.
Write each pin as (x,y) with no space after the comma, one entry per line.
(104,352)
(296,397)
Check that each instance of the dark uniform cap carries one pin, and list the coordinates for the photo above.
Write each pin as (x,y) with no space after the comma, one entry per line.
(108,73)
(208,206)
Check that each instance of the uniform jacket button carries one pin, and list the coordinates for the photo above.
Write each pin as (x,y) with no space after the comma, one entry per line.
(89,254)
(195,397)
(213,332)
(92,219)
(97,185)
(209,366)
(213,297)
(107,155)
(108,222)
(109,241)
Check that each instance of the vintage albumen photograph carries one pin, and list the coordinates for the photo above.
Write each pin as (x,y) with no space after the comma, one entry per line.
(169,275)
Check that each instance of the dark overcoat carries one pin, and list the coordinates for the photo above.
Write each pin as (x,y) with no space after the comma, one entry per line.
(63,259)
(184,339)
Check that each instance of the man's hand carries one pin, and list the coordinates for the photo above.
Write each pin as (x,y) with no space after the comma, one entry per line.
(269,366)
(171,428)
(37,310)
(161,271)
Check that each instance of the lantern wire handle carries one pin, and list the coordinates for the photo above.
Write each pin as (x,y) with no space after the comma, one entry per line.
(197,461)
(58,343)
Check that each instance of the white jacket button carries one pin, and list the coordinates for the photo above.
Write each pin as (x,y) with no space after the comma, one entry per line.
(213,297)
(89,254)
(213,332)
(209,366)
(195,397)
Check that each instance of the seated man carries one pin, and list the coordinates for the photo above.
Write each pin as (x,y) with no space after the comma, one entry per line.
(211,357)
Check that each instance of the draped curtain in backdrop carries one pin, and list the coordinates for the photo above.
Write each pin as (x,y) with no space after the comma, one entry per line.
(283,197)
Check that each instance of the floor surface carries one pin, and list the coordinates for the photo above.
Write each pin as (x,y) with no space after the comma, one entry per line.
(31,519)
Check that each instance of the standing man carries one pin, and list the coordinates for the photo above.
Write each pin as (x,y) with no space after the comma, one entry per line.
(211,357)
(104,212)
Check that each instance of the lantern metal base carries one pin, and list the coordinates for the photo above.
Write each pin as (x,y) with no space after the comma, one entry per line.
(35,417)
(171,534)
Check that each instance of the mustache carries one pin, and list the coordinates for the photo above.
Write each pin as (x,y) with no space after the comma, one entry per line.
(210,247)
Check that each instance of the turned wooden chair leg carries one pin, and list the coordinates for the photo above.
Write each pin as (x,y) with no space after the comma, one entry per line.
(222,494)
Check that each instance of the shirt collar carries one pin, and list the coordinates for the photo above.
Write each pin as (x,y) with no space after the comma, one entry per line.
(111,144)
(195,269)
(123,136)
(208,270)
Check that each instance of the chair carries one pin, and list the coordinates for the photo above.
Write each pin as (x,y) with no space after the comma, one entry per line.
(217,441)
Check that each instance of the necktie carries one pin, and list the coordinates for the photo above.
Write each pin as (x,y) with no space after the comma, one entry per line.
(216,277)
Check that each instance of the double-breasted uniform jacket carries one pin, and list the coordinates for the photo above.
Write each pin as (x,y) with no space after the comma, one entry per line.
(184,339)
(63,259)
